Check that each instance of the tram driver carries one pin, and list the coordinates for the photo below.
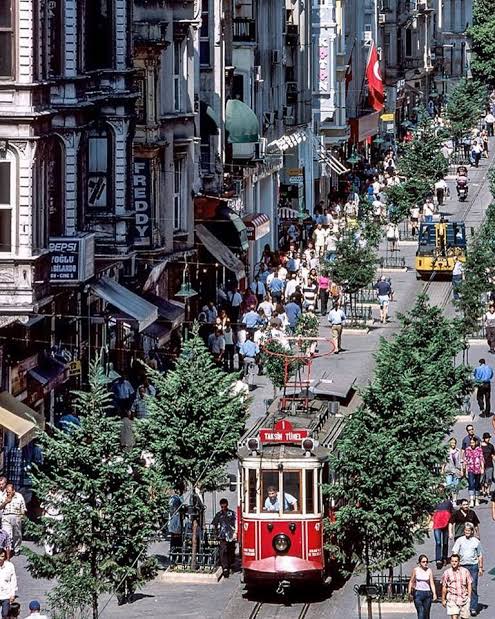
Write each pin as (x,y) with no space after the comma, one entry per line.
(272,503)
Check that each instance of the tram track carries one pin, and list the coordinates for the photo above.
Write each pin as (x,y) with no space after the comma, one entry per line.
(260,608)
(462,216)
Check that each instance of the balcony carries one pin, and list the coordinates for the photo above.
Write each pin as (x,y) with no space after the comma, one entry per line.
(150,33)
(24,282)
(244,30)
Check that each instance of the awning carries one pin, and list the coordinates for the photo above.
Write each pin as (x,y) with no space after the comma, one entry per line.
(159,332)
(209,122)
(49,374)
(172,312)
(19,418)
(364,127)
(285,212)
(222,221)
(257,224)
(325,156)
(289,140)
(241,123)
(130,303)
(221,252)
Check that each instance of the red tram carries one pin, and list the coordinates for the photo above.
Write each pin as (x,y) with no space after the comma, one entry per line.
(283,463)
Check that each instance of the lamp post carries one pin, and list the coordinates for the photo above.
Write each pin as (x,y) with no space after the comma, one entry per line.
(186,292)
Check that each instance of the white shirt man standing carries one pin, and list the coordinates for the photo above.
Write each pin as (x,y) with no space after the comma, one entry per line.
(14,509)
(8,584)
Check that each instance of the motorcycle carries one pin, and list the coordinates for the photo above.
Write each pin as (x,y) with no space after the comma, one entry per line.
(462,189)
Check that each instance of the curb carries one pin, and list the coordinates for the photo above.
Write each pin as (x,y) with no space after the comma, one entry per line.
(404,608)
(393,269)
(171,576)
(476,341)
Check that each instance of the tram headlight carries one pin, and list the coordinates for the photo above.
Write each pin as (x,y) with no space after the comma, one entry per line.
(281,543)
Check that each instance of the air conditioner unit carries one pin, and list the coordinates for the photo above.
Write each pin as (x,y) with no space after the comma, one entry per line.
(276,56)
(367,36)
(257,73)
(382,18)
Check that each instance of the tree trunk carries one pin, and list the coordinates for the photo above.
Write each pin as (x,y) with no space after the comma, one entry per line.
(194,545)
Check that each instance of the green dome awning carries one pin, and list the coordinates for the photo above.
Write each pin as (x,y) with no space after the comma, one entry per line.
(241,123)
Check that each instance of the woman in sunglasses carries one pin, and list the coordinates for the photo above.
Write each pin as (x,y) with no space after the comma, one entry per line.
(421,588)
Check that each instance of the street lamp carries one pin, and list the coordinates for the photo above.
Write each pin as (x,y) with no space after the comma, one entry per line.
(186,291)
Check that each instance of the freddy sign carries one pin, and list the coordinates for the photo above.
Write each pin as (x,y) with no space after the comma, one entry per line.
(283,432)
(142,202)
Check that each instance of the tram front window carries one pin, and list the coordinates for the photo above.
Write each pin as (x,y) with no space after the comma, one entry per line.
(274,498)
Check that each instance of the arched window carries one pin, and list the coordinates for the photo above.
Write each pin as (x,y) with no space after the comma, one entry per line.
(8,200)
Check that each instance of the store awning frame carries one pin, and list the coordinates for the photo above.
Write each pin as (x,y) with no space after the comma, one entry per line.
(221,252)
(144,312)
(257,224)
(241,123)
(19,418)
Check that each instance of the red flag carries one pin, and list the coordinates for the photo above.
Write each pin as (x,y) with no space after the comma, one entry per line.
(348,75)
(375,83)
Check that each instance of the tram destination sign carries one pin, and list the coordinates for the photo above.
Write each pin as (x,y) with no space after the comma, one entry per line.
(283,432)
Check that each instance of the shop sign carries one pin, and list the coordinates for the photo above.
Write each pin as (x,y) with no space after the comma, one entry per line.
(19,372)
(72,258)
(283,432)
(74,368)
(296,176)
(142,202)
(387,118)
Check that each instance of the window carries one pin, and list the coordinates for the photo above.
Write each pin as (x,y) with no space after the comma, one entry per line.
(252,491)
(178,194)
(408,42)
(98,169)
(56,190)
(178,75)
(271,492)
(204,36)
(6,39)
(7,197)
(141,100)
(99,34)
(310,497)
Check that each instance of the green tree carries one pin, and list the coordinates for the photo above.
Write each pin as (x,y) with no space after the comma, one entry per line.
(195,420)
(482,42)
(391,449)
(478,274)
(405,195)
(465,105)
(422,158)
(354,266)
(104,508)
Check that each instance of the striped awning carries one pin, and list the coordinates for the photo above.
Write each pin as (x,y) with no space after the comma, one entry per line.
(257,224)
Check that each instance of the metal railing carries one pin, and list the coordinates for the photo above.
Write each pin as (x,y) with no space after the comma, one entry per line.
(392,262)
(390,587)
(244,29)
(206,560)
(358,316)
(405,231)
(366,296)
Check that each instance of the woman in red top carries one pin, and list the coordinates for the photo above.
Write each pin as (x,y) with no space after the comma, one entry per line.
(441,518)
(323,291)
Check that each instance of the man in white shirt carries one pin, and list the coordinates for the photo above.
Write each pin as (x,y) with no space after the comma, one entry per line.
(14,509)
(35,611)
(290,287)
(272,503)
(469,548)
(441,191)
(377,186)
(235,300)
(428,210)
(8,584)
(267,307)
(489,121)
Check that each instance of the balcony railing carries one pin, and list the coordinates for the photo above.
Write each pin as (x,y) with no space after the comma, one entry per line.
(244,30)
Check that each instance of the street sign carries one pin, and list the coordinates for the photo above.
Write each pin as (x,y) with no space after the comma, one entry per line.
(283,432)
(389,117)
(296,176)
